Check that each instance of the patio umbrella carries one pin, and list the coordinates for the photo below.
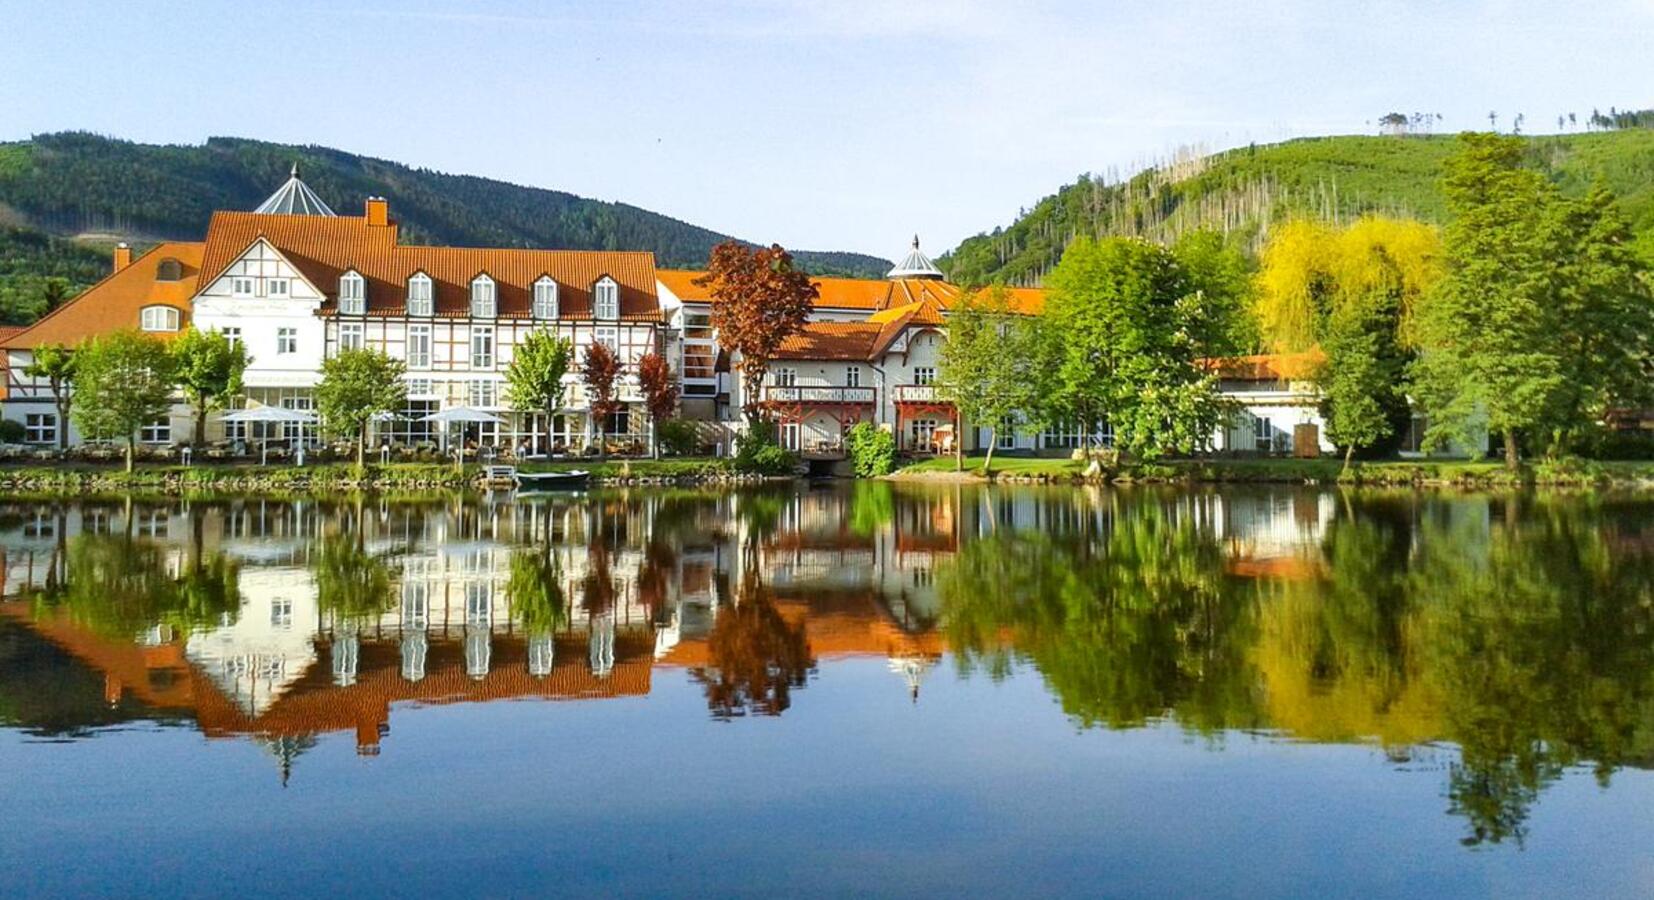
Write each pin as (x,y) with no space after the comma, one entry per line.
(269,414)
(460,414)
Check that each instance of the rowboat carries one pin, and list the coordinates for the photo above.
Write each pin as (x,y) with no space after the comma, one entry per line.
(573,479)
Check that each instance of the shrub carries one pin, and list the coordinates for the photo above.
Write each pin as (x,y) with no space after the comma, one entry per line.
(677,437)
(872,450)
(756,452)
(1607,444)
(11,432)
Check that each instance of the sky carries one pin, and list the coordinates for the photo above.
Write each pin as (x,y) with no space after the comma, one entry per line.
(818,124)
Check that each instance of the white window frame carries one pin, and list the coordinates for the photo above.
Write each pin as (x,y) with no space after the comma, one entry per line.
(421,294)
(483,393)
(606,299)
(924,375)
(545,298)
(484,298)
(40,428)
(353,293)
(482,346)
(608,336)
(231,333)
(419,347)
(785,376)
(352,336)
(287,341)
(789,436)
(170,320)
(278,287)
(242,286)
(156,432)
(852,376)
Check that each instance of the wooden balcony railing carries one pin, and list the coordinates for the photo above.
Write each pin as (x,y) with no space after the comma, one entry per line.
(915,393)
(858,395)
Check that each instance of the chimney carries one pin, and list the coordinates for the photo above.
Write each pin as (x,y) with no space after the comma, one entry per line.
(123,256)
(378,211)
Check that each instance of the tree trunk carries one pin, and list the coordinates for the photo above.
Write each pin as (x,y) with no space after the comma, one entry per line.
(1349,453)
(130,453)
(551,429)
(361,448)
(654,439)
(1511,458)
(993,439)
(63,423)
(958,443)
(199,439)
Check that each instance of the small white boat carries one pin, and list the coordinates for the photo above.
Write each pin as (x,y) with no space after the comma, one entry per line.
(553,481)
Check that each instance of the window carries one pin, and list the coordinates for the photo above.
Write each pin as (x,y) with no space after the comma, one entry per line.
(545,298)
(241,287)
(156,432)
(921,434)
(482,347)
(852,376)
(484,393)
(924,375)
(419,346)
(419,295)
(608,337)
(287,340)
(421,387)
(276,287)
(158,318)
(789,436)
(353,292)
(281,613)
(482,297)
(350,336)
(1005,436)
(786,377)
(1263,432)
(607,302)
(169,270)
(40,428)
(233,335)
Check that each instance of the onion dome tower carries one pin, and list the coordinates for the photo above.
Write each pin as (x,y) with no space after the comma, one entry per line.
(916,265)
(294,198)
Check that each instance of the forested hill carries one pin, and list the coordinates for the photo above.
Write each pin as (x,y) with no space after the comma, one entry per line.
(1242,191)
(73,183)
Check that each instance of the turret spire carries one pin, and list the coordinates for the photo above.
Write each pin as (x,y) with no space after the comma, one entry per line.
(294,198)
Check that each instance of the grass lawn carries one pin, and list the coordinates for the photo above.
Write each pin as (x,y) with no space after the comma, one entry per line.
(1485,472)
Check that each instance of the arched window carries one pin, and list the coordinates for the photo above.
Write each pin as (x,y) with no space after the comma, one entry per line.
(545,298)
(419,295)
(607,299)
(353,293)
(169,269)
(482,297)
(158,318)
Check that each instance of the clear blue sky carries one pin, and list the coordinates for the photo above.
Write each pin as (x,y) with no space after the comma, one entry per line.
(822,124)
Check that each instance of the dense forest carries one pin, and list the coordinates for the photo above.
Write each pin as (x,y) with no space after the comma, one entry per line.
(82,185)
(1243,192)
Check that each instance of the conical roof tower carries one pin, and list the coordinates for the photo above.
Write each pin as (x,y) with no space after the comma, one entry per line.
(916,265)
(295,198)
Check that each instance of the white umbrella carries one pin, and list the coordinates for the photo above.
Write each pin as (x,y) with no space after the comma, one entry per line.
(269,414)
(460,414)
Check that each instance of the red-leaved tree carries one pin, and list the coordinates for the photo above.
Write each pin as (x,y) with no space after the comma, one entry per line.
(660,393)
(600,371)
(758,300)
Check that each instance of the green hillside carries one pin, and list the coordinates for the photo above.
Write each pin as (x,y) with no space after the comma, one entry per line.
(1242,191)
(81,185)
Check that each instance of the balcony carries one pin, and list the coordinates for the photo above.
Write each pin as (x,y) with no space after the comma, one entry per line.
(862,396)
(916,393)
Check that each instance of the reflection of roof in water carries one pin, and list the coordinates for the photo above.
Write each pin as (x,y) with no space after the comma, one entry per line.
(835,628)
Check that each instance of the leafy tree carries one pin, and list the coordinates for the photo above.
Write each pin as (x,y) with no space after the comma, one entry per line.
(208,367)
(660,393)
(534,380)
(56,364)
(759,299)
(1122,325)
(872,450)
(356,386)
(1222,275)
(123,381)
(1361,378)
(600,370)
(987,365)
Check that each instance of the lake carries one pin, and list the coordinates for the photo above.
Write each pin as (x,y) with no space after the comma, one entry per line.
(831,689)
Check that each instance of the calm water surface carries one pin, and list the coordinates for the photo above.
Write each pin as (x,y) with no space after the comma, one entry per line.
(845,689)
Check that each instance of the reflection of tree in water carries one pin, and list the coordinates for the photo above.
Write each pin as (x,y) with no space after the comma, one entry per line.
(1525,636)
(119,586)
(535,591)
(351,583)
(757,658)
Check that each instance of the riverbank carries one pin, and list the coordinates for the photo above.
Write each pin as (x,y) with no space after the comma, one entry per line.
(1383,473)
(85,478)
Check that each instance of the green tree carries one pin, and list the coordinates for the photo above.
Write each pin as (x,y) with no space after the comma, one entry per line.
(986,367)
(208,367)
(123,381)
(1222,275)
(1490,335)
(56,364)
(1124,323)
(534,380)
(356,386)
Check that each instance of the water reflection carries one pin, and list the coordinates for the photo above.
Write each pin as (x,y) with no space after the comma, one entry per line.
(1503,639)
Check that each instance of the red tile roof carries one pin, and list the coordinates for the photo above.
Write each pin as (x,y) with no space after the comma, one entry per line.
(865,293)
(1269,366)
(324,248)
(114,303)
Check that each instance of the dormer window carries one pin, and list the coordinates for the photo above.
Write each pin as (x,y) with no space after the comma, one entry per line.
(158,318)
(353,294)
(545,298)
(169,269)
(419,295)
(606,299)
(482,297)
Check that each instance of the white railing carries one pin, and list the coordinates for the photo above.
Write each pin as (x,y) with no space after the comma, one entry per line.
(916,393)
(818,394)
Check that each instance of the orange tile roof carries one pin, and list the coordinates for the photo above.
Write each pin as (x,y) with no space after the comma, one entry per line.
(1269,366)
(113,304)
(323,248)
(832,341)
(866,293)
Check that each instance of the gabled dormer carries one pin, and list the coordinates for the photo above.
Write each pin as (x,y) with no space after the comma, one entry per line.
(484,297)
(353,293)
(606,299)
(421,300)
(545,299)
